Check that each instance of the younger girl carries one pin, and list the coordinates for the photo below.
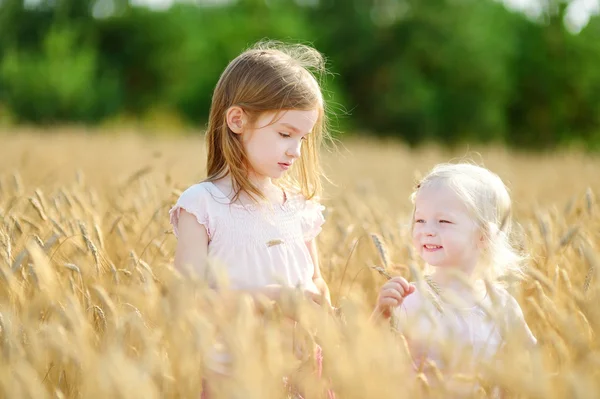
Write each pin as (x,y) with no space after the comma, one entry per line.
(460,228)
(256,214)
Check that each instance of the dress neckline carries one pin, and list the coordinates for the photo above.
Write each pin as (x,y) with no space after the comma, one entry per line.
(254,205)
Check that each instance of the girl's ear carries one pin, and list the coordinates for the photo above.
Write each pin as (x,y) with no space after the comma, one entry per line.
(482,239)
(486,234)
(236,119)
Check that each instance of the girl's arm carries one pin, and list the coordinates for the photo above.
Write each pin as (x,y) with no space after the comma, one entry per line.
(192,244)
(317,278)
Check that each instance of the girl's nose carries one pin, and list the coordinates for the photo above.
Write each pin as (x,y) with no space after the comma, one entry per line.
(430,233)
(294,150)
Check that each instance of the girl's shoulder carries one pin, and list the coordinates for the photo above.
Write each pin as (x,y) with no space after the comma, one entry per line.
(195,190)
(500,297)
(310,211)
(295,196)
(201,200)
(514,318)
(203,192)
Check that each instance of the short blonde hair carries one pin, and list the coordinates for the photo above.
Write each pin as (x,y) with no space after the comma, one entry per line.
(268,77)
(487,199)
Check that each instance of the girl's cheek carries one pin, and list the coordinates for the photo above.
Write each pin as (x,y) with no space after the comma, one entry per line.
(415,241)
(416,234)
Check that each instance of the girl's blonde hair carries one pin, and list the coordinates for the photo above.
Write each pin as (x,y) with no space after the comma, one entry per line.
(268,77)
(488,201)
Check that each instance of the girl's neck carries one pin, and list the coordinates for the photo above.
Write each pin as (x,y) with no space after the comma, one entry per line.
(262,183)
(450,275)
(273,193)
(469,286)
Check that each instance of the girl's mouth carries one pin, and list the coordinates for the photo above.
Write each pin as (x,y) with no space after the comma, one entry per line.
(432,248)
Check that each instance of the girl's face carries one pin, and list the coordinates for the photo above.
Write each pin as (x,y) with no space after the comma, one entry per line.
(274,143)
(444,233)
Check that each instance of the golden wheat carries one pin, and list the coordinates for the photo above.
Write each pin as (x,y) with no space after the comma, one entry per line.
(91,307)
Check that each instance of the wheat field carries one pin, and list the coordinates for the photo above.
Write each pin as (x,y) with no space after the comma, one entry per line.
(91,307)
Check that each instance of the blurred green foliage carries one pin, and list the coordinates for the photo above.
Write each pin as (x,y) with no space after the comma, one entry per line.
(438,70)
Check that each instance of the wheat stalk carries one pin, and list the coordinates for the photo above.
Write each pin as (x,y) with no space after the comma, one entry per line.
(17,263)
(7,247)
(18,184)
(568,237)
(381,250)
(589,200)
(40,197)
(91,246)
(38,207)
(592,262)
(6,344)
(58,227)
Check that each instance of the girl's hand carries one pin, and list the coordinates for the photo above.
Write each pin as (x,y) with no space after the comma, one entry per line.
(320,300)
(392,295)
(317,297)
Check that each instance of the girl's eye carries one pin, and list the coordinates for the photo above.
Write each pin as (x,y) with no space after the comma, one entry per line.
(445,221)
(419,221)
(284,135)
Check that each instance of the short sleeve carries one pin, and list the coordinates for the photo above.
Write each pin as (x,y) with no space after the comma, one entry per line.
(518,324)
(312,219)
(195,201)
(514,322)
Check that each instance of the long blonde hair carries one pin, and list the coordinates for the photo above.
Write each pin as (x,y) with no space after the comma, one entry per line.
(268,77)
(488,201)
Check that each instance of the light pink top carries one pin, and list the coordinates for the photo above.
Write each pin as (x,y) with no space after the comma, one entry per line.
(473,332)
(258,244)
(455,337)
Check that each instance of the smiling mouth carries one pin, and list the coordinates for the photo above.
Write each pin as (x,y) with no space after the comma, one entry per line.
(429,247)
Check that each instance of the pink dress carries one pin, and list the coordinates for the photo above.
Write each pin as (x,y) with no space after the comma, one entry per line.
(255,245)
(258,244)
(429,325)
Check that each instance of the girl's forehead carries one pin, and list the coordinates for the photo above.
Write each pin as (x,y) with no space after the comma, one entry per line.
(300,120)
(440,198)
(436,191)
